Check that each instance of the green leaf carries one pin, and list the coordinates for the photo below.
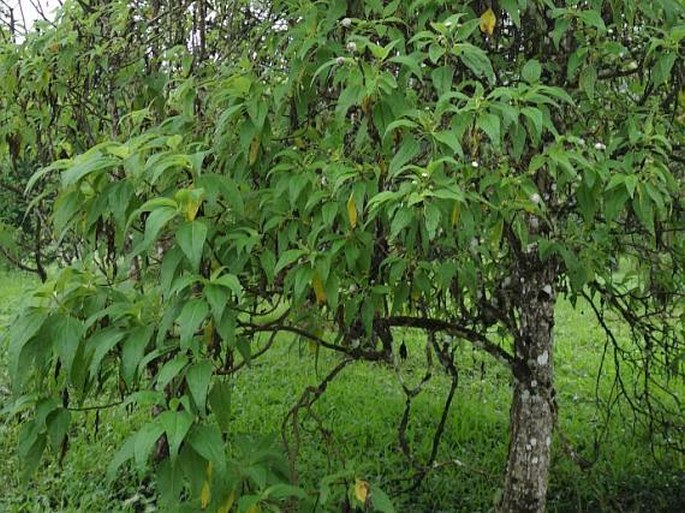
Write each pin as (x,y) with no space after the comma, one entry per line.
(476,60)
(145,440)
(100,344)
(287,258)
(399,123)
(217,297)
(220,403)
(191,238)
(409,148)
(169,269)
(663,67)
(192,316)
(231,282)
(380,501)
(561,25)
(512,8)
(176,425)
(133,351)
(432,218)
(157,219)
(65,332)
(451,139)
(208,443)
(170,370)
(490,124)
(124,454)
(531,71)
(403,217)
(244,348)
(412,62)
(442,79)
(57,424)
(23,330)
(30,450)
(86,164)
(226,327)
(594,19)
(435,51)
(535,117)
(587,80)
(198,377)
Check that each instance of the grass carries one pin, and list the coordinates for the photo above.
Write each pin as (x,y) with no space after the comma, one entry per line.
(360,411)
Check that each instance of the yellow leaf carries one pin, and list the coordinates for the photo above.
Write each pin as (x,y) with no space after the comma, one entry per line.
(208,336)
(352,211)
(205,495)
(254,509)
(189,201)
(226,506)
(254,151)
(366,104)
(456,212)
(319,291)
(361,490)
(488,22)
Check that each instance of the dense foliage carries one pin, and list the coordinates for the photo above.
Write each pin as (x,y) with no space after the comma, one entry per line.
(340,171)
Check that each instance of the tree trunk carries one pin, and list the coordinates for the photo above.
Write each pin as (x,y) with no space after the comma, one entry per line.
(532,410)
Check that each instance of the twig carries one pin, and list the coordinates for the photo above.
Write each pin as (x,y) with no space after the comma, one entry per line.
(307,399)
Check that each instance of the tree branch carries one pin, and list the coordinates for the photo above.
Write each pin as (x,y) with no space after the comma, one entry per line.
(477,339)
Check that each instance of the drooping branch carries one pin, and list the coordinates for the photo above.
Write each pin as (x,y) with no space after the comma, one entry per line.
(307,399)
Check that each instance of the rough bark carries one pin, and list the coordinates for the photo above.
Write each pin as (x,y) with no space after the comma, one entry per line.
(532,410)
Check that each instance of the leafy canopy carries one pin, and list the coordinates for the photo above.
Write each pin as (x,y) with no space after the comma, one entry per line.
(349,169)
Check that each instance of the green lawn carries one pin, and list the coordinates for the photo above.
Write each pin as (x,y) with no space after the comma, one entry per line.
(360,412)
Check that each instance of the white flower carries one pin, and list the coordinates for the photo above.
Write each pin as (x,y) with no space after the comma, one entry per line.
(340,61)
(424,175)
(581,141)
(474,163)
(600,146)
(351,47)
(535,198)
(346,22)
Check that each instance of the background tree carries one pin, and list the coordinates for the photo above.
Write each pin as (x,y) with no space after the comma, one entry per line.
(344,171)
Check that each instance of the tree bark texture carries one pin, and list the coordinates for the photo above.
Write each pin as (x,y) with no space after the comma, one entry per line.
(532,410)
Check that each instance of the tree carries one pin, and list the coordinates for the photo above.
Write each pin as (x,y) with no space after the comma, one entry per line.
(369,167)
